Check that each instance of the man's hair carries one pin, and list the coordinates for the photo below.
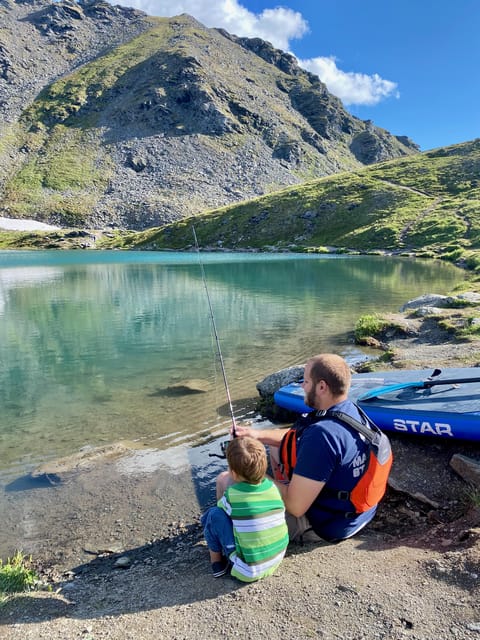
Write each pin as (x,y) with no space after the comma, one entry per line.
(334,370)
(248,458)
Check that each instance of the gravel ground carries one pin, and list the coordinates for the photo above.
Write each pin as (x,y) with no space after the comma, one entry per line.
(413,573)
(368,587)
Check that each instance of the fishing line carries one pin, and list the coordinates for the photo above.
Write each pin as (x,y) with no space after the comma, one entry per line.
(215,333)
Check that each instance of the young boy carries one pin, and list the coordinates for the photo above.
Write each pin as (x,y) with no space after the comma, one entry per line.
(247,528)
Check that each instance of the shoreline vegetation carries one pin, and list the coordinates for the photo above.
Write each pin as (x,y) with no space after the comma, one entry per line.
(126,130)
(24,234)
(28,237)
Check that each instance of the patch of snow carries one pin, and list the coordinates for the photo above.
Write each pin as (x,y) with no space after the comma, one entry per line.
(15,224)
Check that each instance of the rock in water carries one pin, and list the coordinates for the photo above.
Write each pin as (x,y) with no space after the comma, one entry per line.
(84,459)
(189,386)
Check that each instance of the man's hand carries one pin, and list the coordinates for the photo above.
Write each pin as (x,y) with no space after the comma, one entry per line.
(272,437)
(244,431)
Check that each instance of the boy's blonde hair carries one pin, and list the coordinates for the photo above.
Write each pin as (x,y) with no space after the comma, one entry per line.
(248,458)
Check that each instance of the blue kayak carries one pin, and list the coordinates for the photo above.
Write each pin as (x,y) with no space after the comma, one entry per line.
(443,403)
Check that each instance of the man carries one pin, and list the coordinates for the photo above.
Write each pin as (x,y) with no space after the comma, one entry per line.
(330,457)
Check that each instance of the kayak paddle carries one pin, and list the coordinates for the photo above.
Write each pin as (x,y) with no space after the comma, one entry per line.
(419,384)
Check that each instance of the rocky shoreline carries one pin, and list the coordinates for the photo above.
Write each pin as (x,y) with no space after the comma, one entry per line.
(136,565)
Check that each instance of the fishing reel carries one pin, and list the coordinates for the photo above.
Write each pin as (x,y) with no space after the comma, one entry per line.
(223,449)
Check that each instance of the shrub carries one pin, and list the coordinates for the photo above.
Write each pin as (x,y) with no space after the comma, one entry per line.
(473,262)
(369,325)
(16,575)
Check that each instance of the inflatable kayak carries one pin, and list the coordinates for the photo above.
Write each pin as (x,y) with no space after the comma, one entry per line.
(443,403)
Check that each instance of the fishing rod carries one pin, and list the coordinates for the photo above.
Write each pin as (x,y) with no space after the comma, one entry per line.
(217,340)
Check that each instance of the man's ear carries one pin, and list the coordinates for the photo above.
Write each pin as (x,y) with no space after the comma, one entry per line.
(321,385)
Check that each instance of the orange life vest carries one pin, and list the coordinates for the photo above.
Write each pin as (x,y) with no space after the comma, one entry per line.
(372,484)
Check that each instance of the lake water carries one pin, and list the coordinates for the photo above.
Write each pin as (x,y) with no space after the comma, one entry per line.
(92,344)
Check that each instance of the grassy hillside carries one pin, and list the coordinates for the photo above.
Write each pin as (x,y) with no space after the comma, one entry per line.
(67,168)
(428,204)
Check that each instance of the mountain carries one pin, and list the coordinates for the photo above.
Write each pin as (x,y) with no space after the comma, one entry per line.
(109,117)
(427,204)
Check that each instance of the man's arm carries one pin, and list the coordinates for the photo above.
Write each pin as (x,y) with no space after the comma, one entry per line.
(272,437)
(299,494)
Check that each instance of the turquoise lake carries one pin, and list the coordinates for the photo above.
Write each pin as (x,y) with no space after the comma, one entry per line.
(92,344)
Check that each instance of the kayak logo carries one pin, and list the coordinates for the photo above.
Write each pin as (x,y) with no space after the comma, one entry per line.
(423,427)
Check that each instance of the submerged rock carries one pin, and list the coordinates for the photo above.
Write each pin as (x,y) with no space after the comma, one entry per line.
(83,459)
(190,386)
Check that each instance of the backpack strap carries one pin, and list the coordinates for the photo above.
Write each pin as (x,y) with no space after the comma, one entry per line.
(288,445)
(368,429)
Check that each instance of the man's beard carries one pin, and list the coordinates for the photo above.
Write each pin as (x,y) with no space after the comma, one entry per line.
(310,399)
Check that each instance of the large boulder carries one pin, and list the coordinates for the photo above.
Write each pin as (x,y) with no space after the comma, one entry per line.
(273,382)
(427,300)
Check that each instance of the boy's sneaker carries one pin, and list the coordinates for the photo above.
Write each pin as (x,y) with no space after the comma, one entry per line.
(220,568)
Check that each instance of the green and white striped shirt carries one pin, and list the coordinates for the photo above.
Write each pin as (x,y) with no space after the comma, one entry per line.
(259,527)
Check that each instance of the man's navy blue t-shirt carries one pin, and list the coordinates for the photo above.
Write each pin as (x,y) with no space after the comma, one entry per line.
(330,451)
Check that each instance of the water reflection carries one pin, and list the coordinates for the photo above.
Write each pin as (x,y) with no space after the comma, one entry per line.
(91,343)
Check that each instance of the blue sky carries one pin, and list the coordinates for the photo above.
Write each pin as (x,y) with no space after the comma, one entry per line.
(411,66)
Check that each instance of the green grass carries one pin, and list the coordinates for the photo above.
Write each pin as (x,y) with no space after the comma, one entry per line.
(68,167)
(17,575)
(369,325)
(471,327)
(427,204)
(473,497)
(78,98)
(64,178)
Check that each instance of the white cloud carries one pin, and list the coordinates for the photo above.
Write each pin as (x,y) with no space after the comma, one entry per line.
(351,88)
(278,26)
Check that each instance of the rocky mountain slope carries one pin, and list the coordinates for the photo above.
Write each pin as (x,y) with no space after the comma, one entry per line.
(111,117)
(427,205)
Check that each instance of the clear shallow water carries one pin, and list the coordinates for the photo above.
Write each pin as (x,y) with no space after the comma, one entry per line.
(92,344)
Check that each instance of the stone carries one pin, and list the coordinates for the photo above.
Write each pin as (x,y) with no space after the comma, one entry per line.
(165,147)
(190,386)
(427,300)
(83,459)
(469,296)
(123,563)
(273,382)
(467,468)
(396,485)
(420,312)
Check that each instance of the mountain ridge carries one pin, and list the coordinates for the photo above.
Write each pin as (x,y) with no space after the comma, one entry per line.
(169,120)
